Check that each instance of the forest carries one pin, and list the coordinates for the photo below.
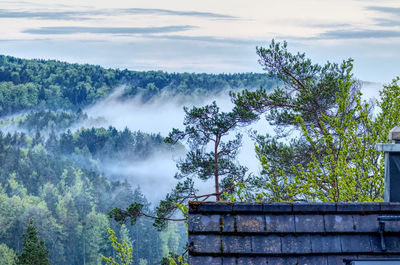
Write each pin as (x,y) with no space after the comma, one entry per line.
(52,85)
(317,145)
(50,171)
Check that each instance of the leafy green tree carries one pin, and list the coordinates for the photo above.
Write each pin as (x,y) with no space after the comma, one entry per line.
(124,251)
(68,217)
(67,202)
(94,237)
(7,255)
(307,90)
(344,164)
(34,252)
(389,114)
(124,233)
(324,145)
(170,239)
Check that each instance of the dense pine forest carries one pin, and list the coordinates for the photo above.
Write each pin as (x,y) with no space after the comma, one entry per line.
(50,170)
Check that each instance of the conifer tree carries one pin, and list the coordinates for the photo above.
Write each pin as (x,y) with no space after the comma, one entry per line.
(211,156)
(34,251)
(323,148)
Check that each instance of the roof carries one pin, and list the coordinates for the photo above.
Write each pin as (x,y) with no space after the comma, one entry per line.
(285,233)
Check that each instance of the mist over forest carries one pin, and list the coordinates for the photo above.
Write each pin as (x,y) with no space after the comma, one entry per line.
(79,140)
(122,121)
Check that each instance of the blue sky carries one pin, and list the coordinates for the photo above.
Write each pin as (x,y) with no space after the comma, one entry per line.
(204,36)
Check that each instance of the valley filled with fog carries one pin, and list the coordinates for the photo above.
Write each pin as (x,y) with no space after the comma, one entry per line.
(160,115)
(78,141)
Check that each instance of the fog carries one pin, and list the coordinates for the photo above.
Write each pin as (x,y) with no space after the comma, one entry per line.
(155,174)
(159,115)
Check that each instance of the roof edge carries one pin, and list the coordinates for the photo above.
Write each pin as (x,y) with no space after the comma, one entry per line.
(312,207)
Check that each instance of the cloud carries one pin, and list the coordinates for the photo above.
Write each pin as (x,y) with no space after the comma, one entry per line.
(146,54)
(359,34)
(326,25)
(314,23)
(343,31)
(349,34)
(210,39)
(385,9)
(89,14)
(176,13)
(107,30)
(385,21)
(46,15)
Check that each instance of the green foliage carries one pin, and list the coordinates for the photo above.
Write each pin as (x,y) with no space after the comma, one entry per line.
(149,84)
(68,202)
(242,193)
(34,252)
(94,235)
(48,119)
(170,239)
(389,115)
(172,202)
(7,255)
(103,144)
(174,259)
(323,150)
(308,91)
(325,135)
(209,156)
(178,261)
(28,84)
(207,126)
(184,209)
(52,174)
(133,212)
(344,166)
(124,251)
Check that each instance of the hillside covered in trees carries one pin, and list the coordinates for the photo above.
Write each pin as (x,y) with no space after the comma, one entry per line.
(30,84)
(50,171)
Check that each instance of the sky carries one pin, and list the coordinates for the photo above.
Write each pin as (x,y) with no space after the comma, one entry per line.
(204,36)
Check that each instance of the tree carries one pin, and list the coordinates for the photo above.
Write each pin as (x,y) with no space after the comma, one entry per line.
(344,164)
(324,146)
(210,156)
(7,255)
(389,115)
(306,90)
(34,251)
(94,237)
(124,251)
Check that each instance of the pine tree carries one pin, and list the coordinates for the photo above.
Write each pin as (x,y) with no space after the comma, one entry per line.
(34,252)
